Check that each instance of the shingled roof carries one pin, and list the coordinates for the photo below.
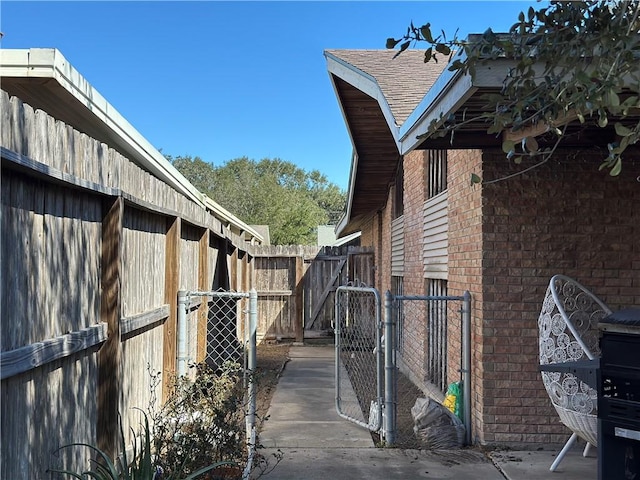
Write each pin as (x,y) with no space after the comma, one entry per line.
(403,80)
(377,94)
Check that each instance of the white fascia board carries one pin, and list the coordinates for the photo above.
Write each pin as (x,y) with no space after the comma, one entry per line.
(347,213)
(346,217)
(366,84)
(450,91)
(441,104)
(50,63)
(341,241)
(344,116)
(230,219)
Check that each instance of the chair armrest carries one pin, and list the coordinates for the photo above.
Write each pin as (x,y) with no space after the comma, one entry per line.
(585,370)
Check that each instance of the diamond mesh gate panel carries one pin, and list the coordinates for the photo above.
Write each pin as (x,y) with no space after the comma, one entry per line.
(359,356)
(216,328)
(224,342)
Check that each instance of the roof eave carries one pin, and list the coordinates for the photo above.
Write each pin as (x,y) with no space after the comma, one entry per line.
(366,84)
(448,94)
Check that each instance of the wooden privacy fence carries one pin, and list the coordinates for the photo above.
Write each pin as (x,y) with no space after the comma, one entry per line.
(94,250)
(296,286)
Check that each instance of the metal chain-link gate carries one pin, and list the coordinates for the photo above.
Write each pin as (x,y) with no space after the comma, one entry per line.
(359,356)
(215,328)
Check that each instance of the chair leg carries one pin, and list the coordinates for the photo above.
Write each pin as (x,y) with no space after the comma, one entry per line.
(587,447)
(563,452)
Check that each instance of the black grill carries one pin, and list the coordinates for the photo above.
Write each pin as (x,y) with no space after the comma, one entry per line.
(619,396)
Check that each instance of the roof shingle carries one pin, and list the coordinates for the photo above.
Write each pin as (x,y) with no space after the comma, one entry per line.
(403,80)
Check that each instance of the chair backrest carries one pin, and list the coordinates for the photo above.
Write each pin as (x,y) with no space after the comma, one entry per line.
(568,326)
(574,311)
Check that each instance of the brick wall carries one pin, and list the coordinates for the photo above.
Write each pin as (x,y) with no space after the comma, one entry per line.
(414,198)
(465,268)
(375,232)
(367,234)
(384,241)
(563,217)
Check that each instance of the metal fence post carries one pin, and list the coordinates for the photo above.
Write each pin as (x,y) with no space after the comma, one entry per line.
(251,355)
(251,386)
(181,360)
(337,322)
(389,373)
(466,365)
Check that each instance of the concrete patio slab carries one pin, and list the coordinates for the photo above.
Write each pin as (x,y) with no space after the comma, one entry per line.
(383,464)
(534,465)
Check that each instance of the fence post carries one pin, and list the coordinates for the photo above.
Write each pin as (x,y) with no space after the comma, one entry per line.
(183,299)
(251,355)
(389,373)
(251,336)
(466,365)
(337,322)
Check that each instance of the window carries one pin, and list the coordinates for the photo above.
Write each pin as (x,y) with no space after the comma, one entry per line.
(437,333)
(436,172)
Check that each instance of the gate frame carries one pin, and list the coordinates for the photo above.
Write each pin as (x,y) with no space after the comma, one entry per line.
(380,400)
(465,367)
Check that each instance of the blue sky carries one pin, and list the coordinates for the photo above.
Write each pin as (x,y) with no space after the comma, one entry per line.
(222,80)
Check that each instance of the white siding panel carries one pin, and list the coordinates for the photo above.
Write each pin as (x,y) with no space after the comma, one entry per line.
(436,237)
(397,247)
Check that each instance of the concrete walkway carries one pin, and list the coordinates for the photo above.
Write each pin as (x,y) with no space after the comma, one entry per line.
(303,412)
(319,445)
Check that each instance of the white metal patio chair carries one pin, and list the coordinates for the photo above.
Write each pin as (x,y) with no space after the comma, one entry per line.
(568,326)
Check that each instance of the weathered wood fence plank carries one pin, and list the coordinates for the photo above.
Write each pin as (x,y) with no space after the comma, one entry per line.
(89,240)
(295,286)
(330,286)
(20,360)
(135,323)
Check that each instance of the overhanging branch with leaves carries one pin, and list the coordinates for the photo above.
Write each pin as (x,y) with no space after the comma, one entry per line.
(569,62)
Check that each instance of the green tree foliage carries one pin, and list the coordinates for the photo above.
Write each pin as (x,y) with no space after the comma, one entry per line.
(292,201)
(572,61)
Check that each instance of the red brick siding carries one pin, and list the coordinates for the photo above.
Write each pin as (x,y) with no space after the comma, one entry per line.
(465,267)
(415,338)
(376,232)
(563,217)
(367,234)
(384,241)
(414,197)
